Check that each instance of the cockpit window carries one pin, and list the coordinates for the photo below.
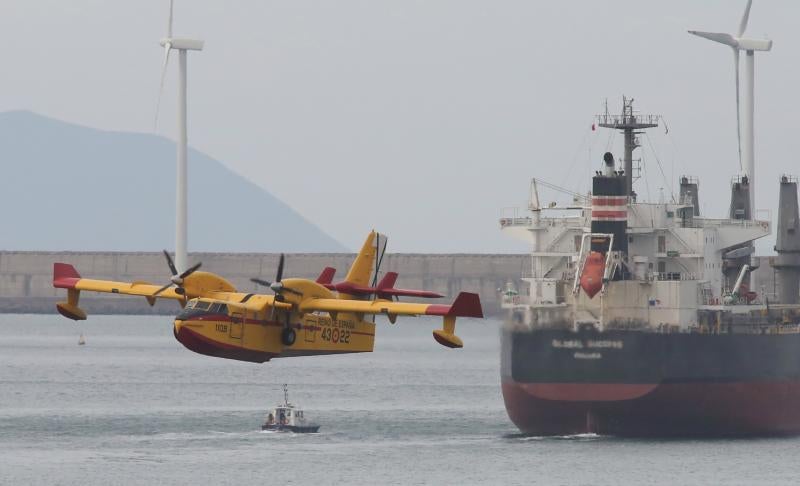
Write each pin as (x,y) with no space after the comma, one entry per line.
(202,305)
(218,308)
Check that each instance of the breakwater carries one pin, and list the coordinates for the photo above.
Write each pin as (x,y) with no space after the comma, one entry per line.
(26,277)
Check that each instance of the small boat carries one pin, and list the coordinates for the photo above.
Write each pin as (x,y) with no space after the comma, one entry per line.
(81,340)
(288,418)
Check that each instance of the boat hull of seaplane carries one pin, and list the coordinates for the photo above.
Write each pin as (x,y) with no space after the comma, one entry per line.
(259,340)
(560,382)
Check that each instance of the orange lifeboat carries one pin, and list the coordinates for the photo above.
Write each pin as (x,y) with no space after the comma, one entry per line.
(592,275)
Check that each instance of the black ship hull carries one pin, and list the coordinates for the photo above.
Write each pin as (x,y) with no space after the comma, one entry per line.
(647,384)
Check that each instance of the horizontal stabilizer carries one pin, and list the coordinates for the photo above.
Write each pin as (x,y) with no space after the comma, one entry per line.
(386,290)
(424,294)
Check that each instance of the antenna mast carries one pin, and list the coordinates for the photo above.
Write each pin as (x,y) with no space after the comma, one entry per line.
(631,124)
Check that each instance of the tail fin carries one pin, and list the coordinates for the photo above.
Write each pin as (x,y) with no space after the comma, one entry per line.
(326,277)
(388,281)
(367,260)
(65,276)
(466,305)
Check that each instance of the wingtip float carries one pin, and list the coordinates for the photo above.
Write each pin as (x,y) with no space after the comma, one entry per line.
(301,318)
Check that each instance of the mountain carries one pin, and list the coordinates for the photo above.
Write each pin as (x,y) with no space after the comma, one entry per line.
(69,187)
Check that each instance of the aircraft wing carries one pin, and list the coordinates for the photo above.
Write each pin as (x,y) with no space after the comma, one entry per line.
(66,277)
(465,305)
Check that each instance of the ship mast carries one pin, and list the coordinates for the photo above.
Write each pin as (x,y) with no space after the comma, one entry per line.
(631,125)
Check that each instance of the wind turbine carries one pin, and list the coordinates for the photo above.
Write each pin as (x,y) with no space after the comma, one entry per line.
(743,123)
(183,46)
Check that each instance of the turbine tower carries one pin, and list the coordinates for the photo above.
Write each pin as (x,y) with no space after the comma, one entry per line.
(183,46)
(744,122)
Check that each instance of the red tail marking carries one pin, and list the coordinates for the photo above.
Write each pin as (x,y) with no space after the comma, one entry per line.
(466,305)
(326,277)
(65,276)
(387,281)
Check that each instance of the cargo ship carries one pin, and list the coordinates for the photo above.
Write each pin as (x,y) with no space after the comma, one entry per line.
(646,319)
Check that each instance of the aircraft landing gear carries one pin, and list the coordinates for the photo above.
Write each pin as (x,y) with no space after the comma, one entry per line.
(288,336)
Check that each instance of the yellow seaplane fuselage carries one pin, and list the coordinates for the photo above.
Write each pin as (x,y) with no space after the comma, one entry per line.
(210,327)
(303,318)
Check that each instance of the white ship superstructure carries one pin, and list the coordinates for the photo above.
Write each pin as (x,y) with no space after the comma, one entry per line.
(677,263)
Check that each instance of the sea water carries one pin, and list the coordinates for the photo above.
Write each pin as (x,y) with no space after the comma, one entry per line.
(133,406)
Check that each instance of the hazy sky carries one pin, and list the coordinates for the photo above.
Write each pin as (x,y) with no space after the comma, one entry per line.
(423,119)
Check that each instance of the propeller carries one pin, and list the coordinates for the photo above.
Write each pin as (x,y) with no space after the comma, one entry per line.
(167,42)
(177,279)
(277,286)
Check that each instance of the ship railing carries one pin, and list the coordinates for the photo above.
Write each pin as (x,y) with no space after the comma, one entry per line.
(576,222)
(626,119)
(511,217)
(719,223)
(673,276)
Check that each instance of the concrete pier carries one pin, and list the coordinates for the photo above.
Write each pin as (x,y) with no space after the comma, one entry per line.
(26,277)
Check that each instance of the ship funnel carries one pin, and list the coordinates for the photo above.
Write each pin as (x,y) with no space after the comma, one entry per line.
(738,256)
(689,193)
(608,159)
(787,243)
(740,198)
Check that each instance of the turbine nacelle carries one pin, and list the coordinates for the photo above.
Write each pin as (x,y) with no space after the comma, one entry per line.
(182,44)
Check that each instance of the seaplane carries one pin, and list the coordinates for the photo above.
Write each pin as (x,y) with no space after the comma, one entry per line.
(301,317)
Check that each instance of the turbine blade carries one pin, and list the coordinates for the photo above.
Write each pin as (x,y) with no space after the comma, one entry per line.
(726,39)
(169,22)
(745,18)
(738,122)
(167,48)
